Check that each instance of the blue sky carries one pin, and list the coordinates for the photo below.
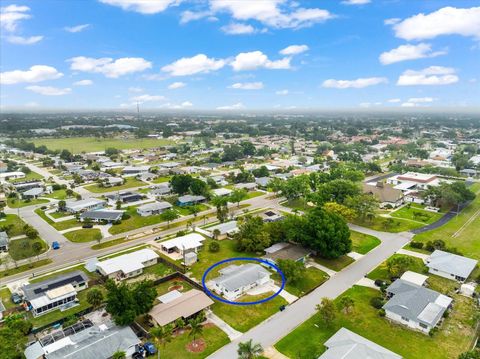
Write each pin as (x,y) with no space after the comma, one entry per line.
(239,55)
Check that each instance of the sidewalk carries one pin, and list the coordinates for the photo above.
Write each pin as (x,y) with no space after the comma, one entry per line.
(227,329)
(413,254)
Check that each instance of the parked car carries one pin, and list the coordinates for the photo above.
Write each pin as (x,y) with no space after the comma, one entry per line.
(55,245)
(87,225)
(149,348)
(16,298)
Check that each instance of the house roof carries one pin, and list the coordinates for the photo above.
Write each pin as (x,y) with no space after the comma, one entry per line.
(3,238)
(234,277)
(385,192)
(155,206)
(101,214)
(451,263)
(189,198)
(83,203)
(416,303)
(33,192)
(413,277)
(36,290)
(188,241)
(183,306)
(227,227)
(221,191)
(290,251)
(127,263)
(345,344)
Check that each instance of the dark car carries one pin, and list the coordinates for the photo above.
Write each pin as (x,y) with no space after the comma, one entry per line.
(17,299)
(149,348)
(87,225)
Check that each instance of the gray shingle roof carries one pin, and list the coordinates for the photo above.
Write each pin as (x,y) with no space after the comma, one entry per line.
(451,263)
(234,277)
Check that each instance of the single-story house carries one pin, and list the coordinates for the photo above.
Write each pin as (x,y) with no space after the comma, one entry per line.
(86,341)
(33,193)
(127,265)
(263,181)
(98,215)
(135,170)
(221,192)
(271,215)
(54,293)
(251,186)
(189,200)
(284,250)
(236,280)
(11,175)
(450,266)
(25,186)
(345,344)
(385,193)
(159,191)
(225,229)
(124,197)
(82,205)
(415,306)
(150,209)
(188,243)
(113,181)
(175,305)
(4,242)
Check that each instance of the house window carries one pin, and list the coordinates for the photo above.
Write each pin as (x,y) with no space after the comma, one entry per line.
(424,326)
(405,319)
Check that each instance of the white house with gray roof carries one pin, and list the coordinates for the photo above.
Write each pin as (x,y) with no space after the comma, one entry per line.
(415,306)
(450,266)
(236,280)
(150,209)
(345,344)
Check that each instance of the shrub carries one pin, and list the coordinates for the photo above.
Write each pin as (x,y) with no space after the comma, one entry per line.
(376,302)
(125,216)
(381,312)
(418,245)
(214,246)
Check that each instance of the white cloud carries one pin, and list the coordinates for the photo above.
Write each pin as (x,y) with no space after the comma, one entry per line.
(356,2)
(12,15)
(108,67)
(358,83)
(445,21)
(77,28)
(143,6)
(257,59)
(188,16)
(20,40)
(236,106)
(247,85)
(238,29)
(392,21)
(294,50)
(176,85)
(148,98)
(270,13)
(172,106)
(36,73)
(49,90)
(421,99)
(282,92)
(83,83)
(394,100)
(135,89)
(193,65)
(409,52)
(433,75)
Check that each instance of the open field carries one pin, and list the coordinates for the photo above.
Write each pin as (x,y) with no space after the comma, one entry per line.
(84,235)
(12,224)
(461,232)
(311,279)
(92,144)
(130,182)
(242,318)
(23,248)
(385,224)
(363,243)
(415,212)
(454,337)
(18,203)
(335,264)
(135,221)
(381,272)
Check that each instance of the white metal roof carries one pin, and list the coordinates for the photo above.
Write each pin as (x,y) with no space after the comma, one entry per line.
(413,277)
(189,241)
(127,263)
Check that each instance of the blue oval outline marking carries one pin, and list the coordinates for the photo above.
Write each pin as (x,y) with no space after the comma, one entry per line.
(209,269)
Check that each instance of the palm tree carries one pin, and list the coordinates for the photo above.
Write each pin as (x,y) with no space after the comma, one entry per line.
(196,328)
(163,335)
(248,350)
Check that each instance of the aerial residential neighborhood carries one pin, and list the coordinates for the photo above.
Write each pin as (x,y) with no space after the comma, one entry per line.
(251,179)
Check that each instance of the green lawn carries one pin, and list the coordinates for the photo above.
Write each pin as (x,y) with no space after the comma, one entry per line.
(393,225)
(335,264)
(92,144)
(381,272)
(417,213)
(161,179)
(18,203)
(214,339)
(84,235)
(311,279)
(454,337)
(158,270)
(187,210)
(244,317)
(298,204)
(5,298)
(31,176)
(135,221)
(162,288)
(12,270)
(467,241)
(253,194)
(12,224)
(363,243)
(23,248)
(58,214)
(130,182)
(59,226)
(59,194)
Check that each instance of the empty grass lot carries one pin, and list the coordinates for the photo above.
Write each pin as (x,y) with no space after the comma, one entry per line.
(92,144)
(381,272)
(12,224)
(416,213)
(363,243)
(454,336)
(244,317)
(23,248)
(311,279)
(384,224)
(84,235)
(18,203)
(130,182)
(135,221)
(462,231)
(335,264)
